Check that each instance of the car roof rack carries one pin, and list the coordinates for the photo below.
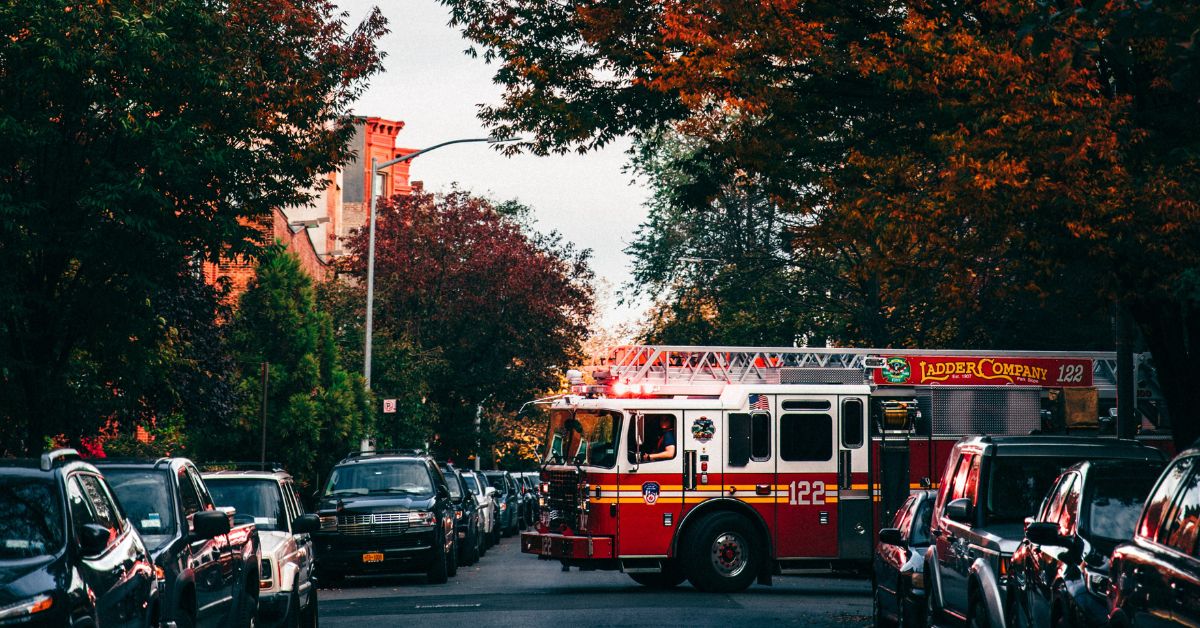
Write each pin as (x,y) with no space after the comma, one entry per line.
(269,466)
(385,452)
(50,458)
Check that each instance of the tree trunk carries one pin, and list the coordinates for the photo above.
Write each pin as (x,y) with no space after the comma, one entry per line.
(1168,327)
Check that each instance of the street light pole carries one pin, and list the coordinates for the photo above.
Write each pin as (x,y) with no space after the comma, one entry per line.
(375,170)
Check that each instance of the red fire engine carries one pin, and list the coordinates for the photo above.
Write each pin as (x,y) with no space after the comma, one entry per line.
(727,465)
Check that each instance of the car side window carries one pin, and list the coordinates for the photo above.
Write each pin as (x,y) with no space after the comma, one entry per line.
(102,503)
(206,500)
(1180,527)
(972,486)
(902,514)
(78,504)
(959,486)
(1055,500)
(1070,506)
(1160,499)
(188,497)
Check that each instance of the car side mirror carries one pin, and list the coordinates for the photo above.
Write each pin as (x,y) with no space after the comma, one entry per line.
(93,539)
(306,524)
(891,536)
(1046,533)
(960,510)
(208,524)
(490,491)
(443,492)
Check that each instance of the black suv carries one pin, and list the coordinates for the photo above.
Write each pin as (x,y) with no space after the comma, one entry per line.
(384,512)
(508,496)
(989,487)
(208,564)
(1155,578)
(466,516)
(68,554)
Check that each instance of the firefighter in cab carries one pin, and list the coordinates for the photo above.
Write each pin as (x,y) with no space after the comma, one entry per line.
(664,448)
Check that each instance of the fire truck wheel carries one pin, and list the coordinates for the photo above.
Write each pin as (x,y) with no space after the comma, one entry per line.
(721,555)
(669,577)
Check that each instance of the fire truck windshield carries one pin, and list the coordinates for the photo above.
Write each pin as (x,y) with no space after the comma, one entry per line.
(583,437)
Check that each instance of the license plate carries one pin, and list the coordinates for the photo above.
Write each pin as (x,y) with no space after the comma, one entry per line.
(373,557)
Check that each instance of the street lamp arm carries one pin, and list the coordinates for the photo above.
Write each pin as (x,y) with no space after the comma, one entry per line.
(409,156)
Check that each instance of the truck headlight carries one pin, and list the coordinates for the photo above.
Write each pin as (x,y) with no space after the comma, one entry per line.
(328,523)
(1097,582)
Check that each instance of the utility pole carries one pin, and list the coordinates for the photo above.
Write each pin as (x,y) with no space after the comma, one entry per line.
(1126,421)
(263,459)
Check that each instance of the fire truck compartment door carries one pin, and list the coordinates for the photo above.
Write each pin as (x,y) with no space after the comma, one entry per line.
(650,498)
(855,493)
(806,523)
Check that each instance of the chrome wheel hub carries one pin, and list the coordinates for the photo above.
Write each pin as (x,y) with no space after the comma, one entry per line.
(729,554)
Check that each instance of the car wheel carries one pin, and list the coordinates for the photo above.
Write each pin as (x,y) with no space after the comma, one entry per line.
(932,612)
(246,609)
(310,617)
(877,609)
(722,555)
(978,616)
(438,571)
(452,560)
(293,617)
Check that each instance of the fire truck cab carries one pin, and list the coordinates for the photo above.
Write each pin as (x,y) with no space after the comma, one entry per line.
(779,465)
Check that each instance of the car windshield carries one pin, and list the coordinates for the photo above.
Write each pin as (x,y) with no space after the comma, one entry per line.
(472,485)
(401,477)
(31,518)
(255,501)
(583,437)
(1017,485)
(1114,504)
(144,495)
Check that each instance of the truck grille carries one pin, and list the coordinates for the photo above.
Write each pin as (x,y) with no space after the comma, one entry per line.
(377,524)
(563,499)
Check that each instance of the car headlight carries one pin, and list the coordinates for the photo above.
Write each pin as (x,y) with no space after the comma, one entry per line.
(27,608)
(328,523)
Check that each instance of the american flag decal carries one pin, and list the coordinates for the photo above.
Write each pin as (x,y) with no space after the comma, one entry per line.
(760,402)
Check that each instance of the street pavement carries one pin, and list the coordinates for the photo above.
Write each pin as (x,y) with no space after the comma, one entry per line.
(507,588)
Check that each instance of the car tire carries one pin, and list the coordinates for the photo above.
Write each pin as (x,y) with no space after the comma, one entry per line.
(877,610)
(452,560)
(977,615)
(438,571)
(311,615)
(933,614)
(247,608)
(293,617)
(722,554)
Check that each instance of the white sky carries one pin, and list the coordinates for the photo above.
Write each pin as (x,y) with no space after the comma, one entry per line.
(434,88)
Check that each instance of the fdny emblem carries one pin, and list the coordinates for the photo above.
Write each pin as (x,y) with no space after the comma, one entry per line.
(703,429)
(650,492)
(896,370)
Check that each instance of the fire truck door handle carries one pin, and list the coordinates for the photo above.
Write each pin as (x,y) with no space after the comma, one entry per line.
(844,470)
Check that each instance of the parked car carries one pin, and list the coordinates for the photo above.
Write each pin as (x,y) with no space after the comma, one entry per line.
(1060,571)
(387,511)
(531,481)
(209,564)
(68,553)
(899,563)
(990,485)
(509,501)
(1155,578)
(466,516)
(497,501)
(487,507)
(266,496)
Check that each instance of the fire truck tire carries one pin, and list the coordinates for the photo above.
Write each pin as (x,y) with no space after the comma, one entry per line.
(669,577)
(721,554)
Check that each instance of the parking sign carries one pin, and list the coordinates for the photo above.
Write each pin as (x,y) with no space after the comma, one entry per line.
(389,406)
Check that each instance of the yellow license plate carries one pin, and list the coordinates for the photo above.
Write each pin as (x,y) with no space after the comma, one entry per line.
(373,557)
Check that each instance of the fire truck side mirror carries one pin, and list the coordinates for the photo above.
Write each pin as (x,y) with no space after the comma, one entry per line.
(960,510)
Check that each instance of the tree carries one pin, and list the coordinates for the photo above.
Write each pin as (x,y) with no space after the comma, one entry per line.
(948,151)
(499,311)
(316,411)
(138,137)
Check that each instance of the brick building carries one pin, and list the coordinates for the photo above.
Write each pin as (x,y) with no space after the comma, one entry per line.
(314,232)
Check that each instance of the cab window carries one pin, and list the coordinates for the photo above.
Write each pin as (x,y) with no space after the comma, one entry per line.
(1180,527)
(1160,499)
(806,437)
(659,435)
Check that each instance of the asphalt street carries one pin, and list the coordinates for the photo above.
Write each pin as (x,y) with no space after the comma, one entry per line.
(507,588)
